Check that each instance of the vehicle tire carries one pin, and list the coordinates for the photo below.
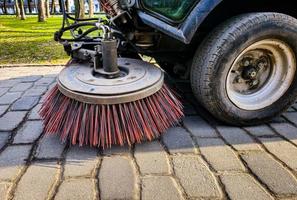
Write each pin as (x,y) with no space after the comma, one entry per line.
(244,72)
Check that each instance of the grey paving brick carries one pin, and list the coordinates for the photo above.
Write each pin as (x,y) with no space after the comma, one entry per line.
(291,109)
(198,127)
(282,149)
(80,161)
(76,190)
(3,109)
(24,103)
(4,189)
(50,147)
(292,116)
(20,87)
(238,138)
(219,155)
(34,115)
(117,150)
(8,83)
(151,158)
(244,187)
(195,177)
(178,140)
(279,119)
(261,130)
(30,131)
(117,178)
(3,91)
(272,173)
(11,120)
(29,79)
(160,187)
(42,175)
(10,97)
(12,160)
(45,81)
(4,136)
(287,130)
(36,91)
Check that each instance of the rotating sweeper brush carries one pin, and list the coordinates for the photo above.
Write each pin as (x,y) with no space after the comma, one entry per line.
(102,100)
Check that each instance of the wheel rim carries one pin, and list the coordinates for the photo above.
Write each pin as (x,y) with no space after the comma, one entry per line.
(261,74)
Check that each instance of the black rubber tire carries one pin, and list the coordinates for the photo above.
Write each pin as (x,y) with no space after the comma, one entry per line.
(216,53)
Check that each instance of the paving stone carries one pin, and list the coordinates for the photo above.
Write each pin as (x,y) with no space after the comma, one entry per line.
(220,156)
(262,130)
(117,150)
(30,131)
(282,149)
(162,187)
(11,120)
(244,187)
(10,97)
(45,81)
(3,91)
(42,176)
(36,91)
(292,116)
(178,140)
(3,109)
(117,178)
(4,136)
(238,138)
(271,172)
(291,109)
(195,177)
(80,161)
(24,103)
(198,127)
(34,115)
(151,158)
(76,190)
(50,147)
(8,83)
(29,79)
(20,87)
(12,160)
(287,130)
(278,120)
(4,188)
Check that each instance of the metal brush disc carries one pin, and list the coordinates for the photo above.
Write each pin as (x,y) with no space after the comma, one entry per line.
(138,80)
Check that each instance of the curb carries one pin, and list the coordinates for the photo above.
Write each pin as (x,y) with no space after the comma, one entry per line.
(30,65)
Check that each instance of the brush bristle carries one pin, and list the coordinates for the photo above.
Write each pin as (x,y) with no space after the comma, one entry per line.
(107,125)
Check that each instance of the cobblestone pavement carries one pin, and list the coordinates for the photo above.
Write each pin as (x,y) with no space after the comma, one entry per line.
(201,159)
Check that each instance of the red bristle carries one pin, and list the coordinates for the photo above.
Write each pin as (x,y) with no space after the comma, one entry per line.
(107,125)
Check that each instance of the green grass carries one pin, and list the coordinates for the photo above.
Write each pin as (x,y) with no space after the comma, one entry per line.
(29,41)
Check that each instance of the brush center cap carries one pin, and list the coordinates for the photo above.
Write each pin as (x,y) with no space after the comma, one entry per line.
(139,79)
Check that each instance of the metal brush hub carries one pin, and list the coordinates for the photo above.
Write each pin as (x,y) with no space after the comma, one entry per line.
(137,80)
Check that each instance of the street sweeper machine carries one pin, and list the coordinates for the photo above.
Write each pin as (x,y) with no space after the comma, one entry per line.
(242,71)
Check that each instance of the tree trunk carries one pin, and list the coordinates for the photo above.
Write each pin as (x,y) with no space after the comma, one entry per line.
(60,5)
(47,9)
(67,5)
(22,10)
(81,9)
(41,11)
(29,6)
(91,8)
(17,8)
(53,7)
(4,7)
